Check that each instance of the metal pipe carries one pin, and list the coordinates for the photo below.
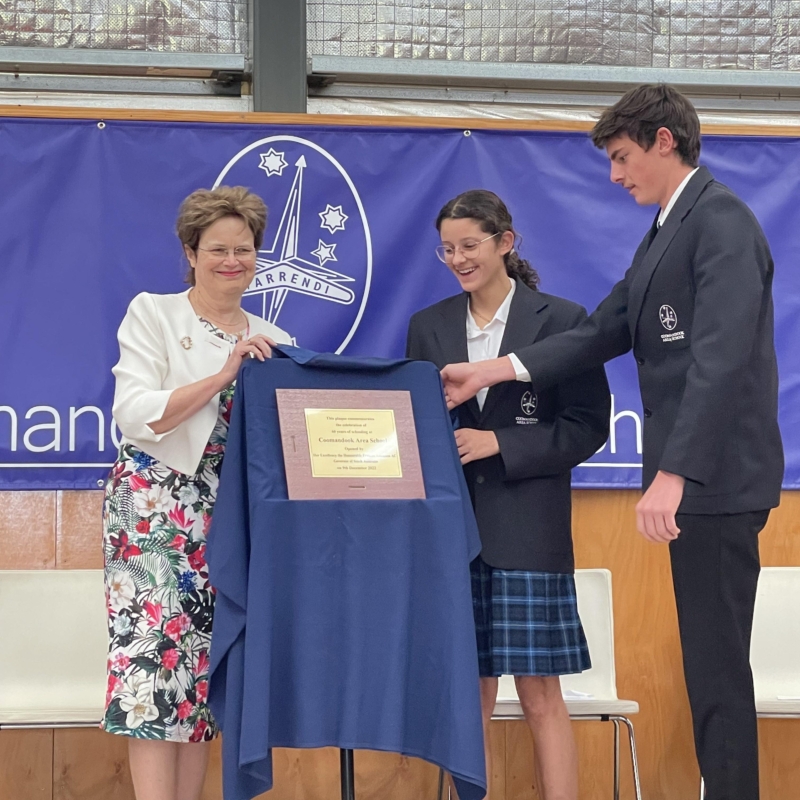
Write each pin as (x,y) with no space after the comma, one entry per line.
(616,758)
(347,767)
(637,787)
(567,76)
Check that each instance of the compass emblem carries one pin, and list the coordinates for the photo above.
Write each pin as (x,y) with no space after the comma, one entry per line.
(668,317)
(529,403)
(314,268)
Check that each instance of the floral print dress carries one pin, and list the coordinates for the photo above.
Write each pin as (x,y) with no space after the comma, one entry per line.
(160,603)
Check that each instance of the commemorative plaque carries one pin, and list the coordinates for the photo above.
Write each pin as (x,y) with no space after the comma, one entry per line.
(349,444)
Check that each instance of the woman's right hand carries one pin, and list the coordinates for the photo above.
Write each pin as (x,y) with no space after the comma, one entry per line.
(258,346)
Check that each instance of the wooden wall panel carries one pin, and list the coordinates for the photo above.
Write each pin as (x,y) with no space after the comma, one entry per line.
(520,784)
(314,775)
(359,120)
(27,530)
(779,761)
(44,530)
(79,530)
(393,776)
(780,540)
(26,765)
(498,780)
(90,764)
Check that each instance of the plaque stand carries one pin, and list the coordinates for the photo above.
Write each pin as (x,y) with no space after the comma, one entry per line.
(347,774)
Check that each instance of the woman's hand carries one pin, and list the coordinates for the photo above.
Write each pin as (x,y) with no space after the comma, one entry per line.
(258,346)
(474,444)
(188,400)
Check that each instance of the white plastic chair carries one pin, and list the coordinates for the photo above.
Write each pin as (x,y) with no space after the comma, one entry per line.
(53,648)
(775,645)
(590,695)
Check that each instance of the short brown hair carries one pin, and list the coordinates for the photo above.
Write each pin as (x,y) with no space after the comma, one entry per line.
(204,207)
(640,112)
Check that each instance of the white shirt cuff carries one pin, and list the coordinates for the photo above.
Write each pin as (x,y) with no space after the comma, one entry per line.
(522,373)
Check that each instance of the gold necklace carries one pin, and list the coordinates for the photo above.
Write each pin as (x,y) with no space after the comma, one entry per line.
(479,315)
(200,312)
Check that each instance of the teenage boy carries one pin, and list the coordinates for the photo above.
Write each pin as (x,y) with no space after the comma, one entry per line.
(696,309)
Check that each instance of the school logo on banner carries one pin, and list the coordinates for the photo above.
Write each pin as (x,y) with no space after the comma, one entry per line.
(314,268)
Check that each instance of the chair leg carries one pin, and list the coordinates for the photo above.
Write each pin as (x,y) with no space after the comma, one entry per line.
(702,788)
(440,790)
(616,758)
(637,787)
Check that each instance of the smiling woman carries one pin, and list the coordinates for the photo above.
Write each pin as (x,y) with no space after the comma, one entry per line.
(179,357)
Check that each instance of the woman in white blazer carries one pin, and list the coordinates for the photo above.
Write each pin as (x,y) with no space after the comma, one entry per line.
(179,357)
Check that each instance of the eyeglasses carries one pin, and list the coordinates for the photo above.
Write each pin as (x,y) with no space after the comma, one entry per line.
(221,253)
(447,253)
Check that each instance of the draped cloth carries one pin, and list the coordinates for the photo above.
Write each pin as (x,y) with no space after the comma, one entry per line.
(343,623)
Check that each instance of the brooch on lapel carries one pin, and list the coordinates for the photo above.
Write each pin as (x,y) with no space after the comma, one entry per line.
(186,343)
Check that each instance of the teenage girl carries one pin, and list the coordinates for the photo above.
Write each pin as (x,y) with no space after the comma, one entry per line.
(517,446)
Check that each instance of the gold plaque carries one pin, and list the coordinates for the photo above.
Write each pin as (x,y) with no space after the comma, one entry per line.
(350,442)
(354,444)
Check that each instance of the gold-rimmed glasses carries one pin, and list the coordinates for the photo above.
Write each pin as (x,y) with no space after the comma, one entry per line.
(447,253)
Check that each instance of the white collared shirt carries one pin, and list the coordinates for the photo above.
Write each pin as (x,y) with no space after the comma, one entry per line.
(485,344)
(662,217)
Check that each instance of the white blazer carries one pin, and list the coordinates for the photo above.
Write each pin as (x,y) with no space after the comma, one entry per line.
(163,346)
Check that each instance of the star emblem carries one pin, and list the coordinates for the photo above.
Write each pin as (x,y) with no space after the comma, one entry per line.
(281,269)
(324,252)
(272,162)
(333,218)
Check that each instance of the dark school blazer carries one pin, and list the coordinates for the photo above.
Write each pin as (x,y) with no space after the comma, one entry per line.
(522,496)
(696,308)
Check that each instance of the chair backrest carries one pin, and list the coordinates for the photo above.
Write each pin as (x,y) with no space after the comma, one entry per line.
(53,646)
(775,644)
(596,610)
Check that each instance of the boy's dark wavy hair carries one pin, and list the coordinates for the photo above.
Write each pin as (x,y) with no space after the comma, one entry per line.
(642,111)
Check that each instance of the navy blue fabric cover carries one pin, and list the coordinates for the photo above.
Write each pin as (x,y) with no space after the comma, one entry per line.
(342,623)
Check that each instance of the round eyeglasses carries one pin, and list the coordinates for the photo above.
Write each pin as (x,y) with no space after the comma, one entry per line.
(447,253)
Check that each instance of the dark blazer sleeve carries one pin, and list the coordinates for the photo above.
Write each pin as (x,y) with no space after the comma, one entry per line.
(604,335)
(414,340)
(578,431)
(731,267)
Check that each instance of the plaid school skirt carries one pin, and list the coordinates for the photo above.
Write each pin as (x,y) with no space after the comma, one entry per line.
(527,623)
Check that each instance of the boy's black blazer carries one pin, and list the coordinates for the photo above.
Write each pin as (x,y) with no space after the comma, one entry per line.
(696,308)
(522,496)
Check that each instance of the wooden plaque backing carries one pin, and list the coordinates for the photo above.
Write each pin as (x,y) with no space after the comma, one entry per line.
(302,485)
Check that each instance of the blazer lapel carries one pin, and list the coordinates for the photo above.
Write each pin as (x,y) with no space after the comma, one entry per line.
(661,242)
(522,327)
